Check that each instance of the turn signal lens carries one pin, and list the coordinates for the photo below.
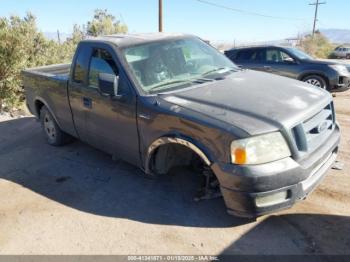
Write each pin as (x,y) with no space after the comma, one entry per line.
(240,156)
(259,149)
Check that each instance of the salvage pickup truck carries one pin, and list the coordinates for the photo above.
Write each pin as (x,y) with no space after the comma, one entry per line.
(161,101)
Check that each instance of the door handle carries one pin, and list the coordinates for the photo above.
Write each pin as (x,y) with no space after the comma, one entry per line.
(87,102)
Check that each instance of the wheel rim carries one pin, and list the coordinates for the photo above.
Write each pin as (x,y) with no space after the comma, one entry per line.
(49,127)
(314,82)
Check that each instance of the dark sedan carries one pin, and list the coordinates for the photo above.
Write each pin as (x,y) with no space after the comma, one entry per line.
(293,63)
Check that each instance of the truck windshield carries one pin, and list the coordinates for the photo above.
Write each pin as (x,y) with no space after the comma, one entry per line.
(300,54)
(169,65)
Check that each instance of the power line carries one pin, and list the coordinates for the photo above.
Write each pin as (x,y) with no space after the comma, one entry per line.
(317,4)
(247,12)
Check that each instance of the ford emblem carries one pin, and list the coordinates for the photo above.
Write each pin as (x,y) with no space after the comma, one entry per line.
(322,127)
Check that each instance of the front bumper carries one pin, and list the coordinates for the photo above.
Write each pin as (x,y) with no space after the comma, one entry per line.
(251,191)
(341,83)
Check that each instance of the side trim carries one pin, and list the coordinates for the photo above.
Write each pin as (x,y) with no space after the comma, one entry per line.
(173,140)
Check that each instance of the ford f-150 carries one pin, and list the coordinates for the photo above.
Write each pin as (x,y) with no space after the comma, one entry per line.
(164,100)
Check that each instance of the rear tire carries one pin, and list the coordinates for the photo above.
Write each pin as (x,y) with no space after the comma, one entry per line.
(348,56)
(316,80)
(54,135)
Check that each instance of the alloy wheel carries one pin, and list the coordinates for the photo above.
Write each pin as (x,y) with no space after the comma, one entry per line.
(315,82)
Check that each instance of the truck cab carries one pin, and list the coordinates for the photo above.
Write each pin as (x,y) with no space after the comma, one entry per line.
(100,94)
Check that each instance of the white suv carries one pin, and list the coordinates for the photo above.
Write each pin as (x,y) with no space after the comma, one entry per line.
(341,52)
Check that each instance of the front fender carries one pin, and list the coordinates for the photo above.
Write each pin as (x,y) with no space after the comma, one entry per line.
(175,140)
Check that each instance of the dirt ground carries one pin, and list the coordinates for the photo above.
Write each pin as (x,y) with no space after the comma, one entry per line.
(76,200)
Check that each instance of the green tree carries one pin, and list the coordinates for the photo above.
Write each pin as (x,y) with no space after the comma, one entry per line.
(104,23)
(318,46)
(23,46)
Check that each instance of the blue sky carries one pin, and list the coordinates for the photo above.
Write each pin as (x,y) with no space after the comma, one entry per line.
(190,16)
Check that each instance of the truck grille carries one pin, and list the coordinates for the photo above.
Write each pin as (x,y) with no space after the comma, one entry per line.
(313,132)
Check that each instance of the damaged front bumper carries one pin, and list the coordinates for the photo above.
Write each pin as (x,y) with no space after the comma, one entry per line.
(252,191)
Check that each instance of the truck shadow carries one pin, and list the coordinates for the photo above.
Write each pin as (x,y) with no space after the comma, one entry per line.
(86,179)
(295,234)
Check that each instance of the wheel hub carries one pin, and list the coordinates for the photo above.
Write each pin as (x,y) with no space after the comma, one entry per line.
(49,127)
(314,82)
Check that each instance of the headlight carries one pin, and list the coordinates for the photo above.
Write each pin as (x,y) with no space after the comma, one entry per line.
(341,69)
(259,149)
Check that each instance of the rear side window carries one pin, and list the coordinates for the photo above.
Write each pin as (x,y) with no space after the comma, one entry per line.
(101,62)
(252,55)
(81,63)
(231,54)
(245,55)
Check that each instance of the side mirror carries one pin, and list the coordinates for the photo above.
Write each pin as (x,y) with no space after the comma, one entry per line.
(108,84)
(289,60)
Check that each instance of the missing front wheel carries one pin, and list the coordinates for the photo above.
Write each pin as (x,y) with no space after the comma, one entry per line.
(210,187)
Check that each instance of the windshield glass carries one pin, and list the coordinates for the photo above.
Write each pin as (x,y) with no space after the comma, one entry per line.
(168,65)
(299,54)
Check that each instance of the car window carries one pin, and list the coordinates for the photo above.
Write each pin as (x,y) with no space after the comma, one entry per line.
(251,55)
(273,55)
(101,62)
(174,64)
(277,56)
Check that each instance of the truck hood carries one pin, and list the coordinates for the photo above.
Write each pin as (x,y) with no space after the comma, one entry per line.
(253,101)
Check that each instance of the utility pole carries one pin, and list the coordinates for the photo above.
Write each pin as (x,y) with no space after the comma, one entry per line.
(58,37)
(160,16)
(316,12)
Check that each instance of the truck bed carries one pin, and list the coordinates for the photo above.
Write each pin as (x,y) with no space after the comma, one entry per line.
(58,71)
(47,85)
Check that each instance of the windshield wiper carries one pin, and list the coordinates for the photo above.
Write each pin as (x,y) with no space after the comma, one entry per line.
(169,83)
(200,80)
(217,70)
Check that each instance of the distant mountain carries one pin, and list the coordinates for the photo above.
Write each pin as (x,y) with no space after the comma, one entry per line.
(338,36)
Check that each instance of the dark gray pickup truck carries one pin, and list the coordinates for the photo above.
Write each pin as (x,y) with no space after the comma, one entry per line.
(160,101)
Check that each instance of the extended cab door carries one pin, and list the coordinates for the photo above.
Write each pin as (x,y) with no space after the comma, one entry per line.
(105,122)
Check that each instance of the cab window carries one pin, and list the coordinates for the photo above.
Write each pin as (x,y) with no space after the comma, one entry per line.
(101,62)
(81,63)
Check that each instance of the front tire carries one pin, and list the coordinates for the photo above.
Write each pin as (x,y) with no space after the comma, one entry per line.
(348,56)
(54,135)
(317,81)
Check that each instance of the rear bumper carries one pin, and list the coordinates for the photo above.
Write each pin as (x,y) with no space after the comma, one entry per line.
(251,191)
